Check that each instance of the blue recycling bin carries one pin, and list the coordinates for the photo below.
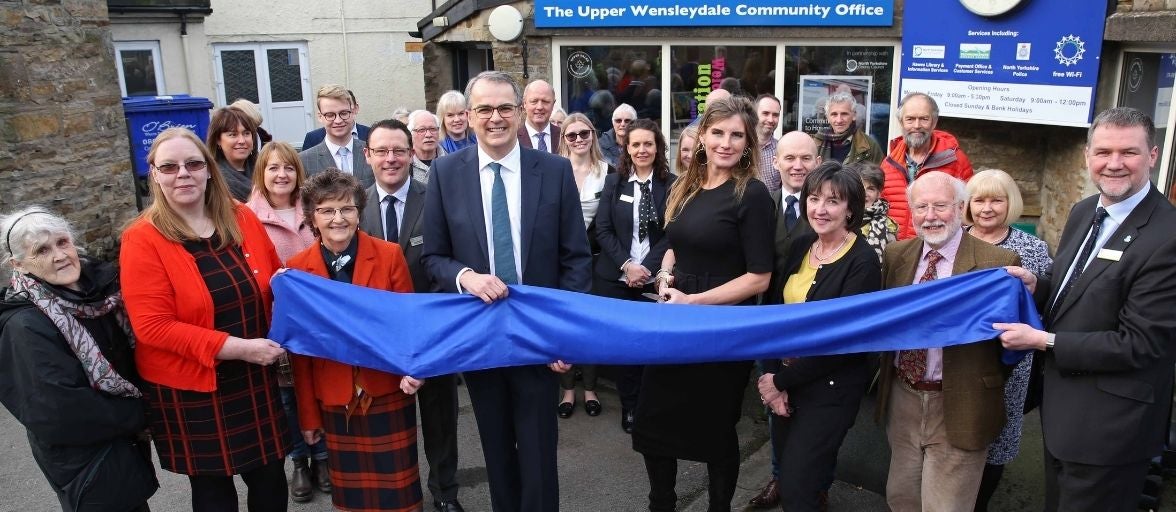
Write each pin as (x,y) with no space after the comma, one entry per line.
(147,116)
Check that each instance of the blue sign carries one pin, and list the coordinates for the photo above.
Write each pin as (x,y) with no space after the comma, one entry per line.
(1037,63)
(713,13)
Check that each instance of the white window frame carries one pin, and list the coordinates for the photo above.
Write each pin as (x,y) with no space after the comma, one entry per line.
(558,43)
(1165,163)
(156,60)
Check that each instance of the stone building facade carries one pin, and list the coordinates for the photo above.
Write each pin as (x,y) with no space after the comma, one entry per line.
(63,140)
(1046,161)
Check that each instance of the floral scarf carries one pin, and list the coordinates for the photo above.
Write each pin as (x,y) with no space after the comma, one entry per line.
(878,228)
(62,313)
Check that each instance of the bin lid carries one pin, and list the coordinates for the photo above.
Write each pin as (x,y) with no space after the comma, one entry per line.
(160,103)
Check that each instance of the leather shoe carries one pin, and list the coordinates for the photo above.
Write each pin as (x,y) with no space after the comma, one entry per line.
(627,421)
(566,409)
(768,497)
(448,506)
(300,491)
(592,407)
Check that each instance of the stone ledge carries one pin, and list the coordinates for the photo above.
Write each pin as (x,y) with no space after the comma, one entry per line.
(1152,26)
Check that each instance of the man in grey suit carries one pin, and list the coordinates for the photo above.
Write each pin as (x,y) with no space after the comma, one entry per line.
(339,150)
(496,216)
(1109,328)
(796,157)
(394,206)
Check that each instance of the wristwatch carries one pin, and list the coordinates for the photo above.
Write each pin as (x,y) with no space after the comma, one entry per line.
(1049,340)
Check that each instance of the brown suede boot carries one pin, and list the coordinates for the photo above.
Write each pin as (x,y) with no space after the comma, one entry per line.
(300,490)
(322,475)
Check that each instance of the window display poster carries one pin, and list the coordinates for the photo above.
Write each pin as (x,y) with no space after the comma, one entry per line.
(1037,63)
(713,13)
(1166,79)
(815,89)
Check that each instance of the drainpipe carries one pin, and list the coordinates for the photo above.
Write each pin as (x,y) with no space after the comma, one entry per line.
(185,49)
(346,61)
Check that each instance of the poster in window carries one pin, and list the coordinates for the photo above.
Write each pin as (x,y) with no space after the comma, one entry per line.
(815,89)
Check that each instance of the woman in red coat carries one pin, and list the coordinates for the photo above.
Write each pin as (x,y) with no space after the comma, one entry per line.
(367,416)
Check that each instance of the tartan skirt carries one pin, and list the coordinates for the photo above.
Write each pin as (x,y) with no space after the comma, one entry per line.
(237,428)
(373,457)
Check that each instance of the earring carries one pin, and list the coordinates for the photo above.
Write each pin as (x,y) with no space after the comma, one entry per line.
(745,160)
(700,156)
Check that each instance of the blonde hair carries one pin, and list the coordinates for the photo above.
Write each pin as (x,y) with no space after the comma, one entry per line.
(995,183)
(249,108)
(689,131)
(218,204)
(287,154)
(690,182)
(332,91)
(565,149)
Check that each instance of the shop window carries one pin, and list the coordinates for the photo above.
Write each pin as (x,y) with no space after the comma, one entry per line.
(139,70)
(697,70)
(1146,84)
(812,73)
(598,78)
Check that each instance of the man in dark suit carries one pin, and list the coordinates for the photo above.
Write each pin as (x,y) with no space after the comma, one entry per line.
(538,132)
(315,136)
(394,206)
(943,406)
(502,215)
(340,149)
(796,157)
(1108,303)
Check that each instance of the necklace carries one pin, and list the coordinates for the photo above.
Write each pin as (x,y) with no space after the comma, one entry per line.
(817,245)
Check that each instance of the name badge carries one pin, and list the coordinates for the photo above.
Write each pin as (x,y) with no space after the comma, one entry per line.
(416,240)
(1109,254)
(627,199)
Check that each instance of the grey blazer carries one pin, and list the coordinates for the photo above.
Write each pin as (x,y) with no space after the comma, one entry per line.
(318,159)
(411,239)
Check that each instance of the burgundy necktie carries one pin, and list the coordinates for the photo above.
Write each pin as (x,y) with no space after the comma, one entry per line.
(912,364)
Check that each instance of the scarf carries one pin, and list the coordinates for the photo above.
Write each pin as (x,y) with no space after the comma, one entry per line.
(64,314)
(878,228)
(829,139)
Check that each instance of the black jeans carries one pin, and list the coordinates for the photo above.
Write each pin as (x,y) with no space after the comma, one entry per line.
(267,490)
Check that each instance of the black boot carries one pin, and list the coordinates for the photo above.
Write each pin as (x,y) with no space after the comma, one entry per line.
(322,475)
(300,490)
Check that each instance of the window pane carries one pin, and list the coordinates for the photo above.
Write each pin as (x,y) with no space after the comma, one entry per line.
(285,75)
(813,72)
(138,72)
(1147,85)
(240,73)
(598,78)
(697,70)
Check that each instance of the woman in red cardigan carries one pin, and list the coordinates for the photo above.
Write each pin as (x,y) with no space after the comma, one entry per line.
(367,416)
(195,268)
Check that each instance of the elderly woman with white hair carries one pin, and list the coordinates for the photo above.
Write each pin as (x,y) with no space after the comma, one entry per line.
(67,367)
(613,140)
(456,133)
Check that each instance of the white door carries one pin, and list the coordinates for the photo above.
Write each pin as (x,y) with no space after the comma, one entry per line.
(275,76)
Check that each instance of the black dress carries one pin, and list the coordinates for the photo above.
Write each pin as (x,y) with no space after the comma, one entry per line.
(689,411)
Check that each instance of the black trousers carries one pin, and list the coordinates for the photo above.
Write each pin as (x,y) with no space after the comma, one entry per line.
(516,412)
(437,403)
(722,477)
(807,442)
(267,490)
(1074,486)
(628,376)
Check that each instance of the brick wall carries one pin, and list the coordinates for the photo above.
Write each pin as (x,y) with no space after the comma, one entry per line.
(63,141)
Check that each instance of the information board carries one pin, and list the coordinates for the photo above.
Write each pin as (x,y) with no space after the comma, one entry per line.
(1038,63)
(712,13)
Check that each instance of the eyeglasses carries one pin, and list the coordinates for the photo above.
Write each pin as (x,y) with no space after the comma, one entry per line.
(582,134)
(506,111)
(329,213)
(424,130)
(342,114)
(190,165)
(383,152)
(921,209)
(622,121)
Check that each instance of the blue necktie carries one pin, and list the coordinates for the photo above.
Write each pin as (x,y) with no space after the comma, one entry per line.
(542,143)
(391,221)
(504,261)
(790,217)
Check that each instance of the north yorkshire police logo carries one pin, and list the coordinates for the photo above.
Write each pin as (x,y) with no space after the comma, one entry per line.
(579,64)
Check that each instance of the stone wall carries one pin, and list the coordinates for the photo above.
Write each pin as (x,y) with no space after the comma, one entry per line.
(63,141)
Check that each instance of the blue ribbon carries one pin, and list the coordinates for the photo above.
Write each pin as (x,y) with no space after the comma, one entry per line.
(430,334)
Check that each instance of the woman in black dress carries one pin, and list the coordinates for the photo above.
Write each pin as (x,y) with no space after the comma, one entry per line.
(719,223)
